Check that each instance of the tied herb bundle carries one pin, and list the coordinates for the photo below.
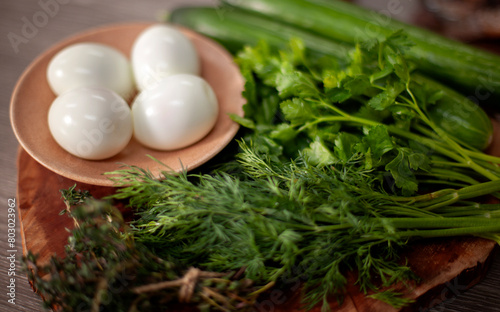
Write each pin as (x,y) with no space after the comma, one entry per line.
(340,167)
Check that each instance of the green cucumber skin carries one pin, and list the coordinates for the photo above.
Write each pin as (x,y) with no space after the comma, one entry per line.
(449,61)
(461,118)
(235,28)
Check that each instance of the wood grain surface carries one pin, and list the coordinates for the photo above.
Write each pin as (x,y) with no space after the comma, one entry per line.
(21,41)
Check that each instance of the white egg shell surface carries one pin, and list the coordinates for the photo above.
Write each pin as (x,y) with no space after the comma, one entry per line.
(91,123)
(179,111)
(90,64)
(159,51)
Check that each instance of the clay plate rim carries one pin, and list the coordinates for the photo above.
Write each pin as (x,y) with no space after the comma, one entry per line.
(32,97)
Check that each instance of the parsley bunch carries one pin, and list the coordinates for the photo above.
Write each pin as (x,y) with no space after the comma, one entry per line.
(374,107)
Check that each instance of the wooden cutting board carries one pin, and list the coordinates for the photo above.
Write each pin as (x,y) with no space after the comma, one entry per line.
(446,266)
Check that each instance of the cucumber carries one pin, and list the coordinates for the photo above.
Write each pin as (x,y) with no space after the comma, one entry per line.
(454,113)
(475,71)
(235,28)
(458,116)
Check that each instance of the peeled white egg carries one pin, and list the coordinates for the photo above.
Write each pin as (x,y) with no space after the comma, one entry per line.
(178,112)
(90,64)
(90,122)
(160,51)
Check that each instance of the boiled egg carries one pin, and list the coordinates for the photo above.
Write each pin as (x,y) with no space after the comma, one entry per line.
(90,64)
(90,122)
(179,111)
(159,51)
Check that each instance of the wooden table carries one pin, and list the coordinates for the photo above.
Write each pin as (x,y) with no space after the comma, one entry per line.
(57,19)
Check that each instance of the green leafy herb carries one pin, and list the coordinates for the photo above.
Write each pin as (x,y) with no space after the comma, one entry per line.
(371,108)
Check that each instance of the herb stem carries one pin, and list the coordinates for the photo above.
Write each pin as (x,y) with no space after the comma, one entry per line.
(444,151)
(448,174)
(463,231)
(466,161)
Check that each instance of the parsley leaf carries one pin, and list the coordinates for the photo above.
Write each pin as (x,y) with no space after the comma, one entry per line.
(318,154)
(403,167)
(297,110)
(387,97)
(345,146)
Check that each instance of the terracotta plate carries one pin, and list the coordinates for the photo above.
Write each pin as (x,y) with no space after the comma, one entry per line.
(32,98)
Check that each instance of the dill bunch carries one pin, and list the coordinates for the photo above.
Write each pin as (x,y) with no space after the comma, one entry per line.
(272,217)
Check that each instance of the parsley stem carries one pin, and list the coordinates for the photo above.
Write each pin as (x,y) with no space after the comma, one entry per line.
(437,146)
(485,157)
(444,151)
(466,192)
(444,182)
(470,151)
(472,206)
(448,174)
(438,198)
(481,189)
(334,108)
(346,118)
(441,133)
(442,148)
(409,135)
(468,213)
